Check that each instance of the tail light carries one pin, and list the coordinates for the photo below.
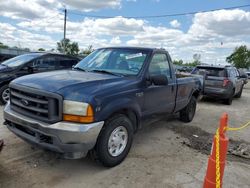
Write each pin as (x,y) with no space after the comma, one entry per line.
(225,82)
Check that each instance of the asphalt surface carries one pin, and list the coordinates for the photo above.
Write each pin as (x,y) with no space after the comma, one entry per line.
(165,153)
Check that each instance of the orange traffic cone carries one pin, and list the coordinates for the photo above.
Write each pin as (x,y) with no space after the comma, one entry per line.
(210,178)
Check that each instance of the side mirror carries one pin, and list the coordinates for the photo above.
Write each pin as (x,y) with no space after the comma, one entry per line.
(159,79)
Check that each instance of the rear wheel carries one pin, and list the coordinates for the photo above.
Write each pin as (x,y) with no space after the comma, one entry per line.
(240,93)
(114,141)
(187,114)
(4,94)
(229,100)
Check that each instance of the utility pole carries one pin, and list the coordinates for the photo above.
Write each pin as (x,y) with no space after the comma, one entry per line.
(64,34)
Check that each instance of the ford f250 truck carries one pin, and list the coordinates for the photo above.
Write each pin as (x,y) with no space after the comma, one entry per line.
(98,105)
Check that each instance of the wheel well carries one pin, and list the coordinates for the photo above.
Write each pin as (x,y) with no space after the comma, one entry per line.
(196,94)
(131,115)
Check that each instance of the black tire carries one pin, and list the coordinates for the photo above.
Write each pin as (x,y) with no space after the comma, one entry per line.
(229,100)
(240,92)
(2,90)
(101,150)
(187,114)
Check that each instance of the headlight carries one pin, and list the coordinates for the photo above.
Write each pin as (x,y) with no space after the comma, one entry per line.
(77,112)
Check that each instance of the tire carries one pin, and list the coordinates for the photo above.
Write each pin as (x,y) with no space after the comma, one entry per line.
(106,144)
(187,114)
(4,91)
(240,93)
(229,100)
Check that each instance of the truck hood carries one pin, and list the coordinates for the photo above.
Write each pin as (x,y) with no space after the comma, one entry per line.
(71,84)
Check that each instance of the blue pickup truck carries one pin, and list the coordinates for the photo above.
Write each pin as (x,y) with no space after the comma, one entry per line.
(98,105)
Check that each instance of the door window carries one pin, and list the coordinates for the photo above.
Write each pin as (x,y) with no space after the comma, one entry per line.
(232,73)
(65,63)
(45,64)
(159,65)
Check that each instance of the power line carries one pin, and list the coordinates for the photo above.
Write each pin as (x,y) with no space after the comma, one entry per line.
(160,16)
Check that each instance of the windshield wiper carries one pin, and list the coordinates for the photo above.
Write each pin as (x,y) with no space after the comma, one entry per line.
(81,69)
(105,72)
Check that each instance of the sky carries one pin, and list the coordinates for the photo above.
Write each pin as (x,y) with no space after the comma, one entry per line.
(213,35)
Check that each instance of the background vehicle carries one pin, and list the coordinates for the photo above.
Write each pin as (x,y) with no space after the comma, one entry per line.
(222,82)
(99,105)
(248,74)
(28,64)
(243,75)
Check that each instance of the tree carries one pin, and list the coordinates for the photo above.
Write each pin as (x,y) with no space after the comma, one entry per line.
(88,50)
(190,64)
(41,50)
(178,62)
(240,58)
(68,47)
(194,63)
(3,46)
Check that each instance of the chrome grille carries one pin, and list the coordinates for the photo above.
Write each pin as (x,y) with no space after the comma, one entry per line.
(36,104)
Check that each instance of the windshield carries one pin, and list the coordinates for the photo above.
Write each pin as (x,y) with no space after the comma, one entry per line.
(116,61)
(20,60)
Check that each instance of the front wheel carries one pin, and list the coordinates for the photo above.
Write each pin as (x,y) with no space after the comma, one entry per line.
(4,94)
(187,114)
(114,141)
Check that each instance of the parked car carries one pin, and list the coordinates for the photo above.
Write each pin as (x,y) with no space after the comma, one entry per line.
(244,76)
(29,64)
(99,105)
(248,74)
(221,82)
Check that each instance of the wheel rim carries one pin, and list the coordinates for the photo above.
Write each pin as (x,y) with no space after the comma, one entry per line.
(6,95)
(117,141)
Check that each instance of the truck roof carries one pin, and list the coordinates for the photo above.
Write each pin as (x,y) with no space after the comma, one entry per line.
(133,47)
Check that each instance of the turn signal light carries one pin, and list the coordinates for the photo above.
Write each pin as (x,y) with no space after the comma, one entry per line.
(78,119)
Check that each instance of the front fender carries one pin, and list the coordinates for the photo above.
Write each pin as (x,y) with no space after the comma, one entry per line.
(117,105)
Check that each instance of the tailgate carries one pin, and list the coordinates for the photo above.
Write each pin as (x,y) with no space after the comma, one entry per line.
(215,82)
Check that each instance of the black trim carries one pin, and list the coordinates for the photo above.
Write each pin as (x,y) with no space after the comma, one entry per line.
(49,113)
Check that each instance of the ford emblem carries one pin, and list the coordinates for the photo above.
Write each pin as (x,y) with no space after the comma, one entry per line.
(25,102)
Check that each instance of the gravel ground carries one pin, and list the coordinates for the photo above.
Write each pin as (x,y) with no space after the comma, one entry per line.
(165,153)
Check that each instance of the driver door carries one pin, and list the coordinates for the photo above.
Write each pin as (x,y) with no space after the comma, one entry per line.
(160,98)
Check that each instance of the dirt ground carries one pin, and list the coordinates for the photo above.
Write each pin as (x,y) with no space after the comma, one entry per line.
(165,153)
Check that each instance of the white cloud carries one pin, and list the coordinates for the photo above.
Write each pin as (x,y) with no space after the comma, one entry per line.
(28,9)
(115,41)
(90,5)
(13,36)
(37,9)
(175,23)
(204,36)
(223,22)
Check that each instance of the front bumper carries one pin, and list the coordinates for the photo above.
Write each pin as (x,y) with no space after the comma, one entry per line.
(74,140)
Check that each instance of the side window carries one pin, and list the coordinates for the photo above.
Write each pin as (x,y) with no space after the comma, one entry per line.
(159,65)
(65,63)
(231,73)
(237,74)
(44,64)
